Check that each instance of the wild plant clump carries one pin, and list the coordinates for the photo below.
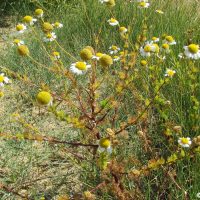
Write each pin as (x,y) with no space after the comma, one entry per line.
(116,99)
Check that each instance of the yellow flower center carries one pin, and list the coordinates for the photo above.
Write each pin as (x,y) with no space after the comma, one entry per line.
(193,48)
(143,62)
(170,73)
(142,4)
(99,54)
(122,29)
(156,48)
(169,38)
(165,46)
(1,78)
(184,141)
(104,143)
(81,66)
(154,38)
(28,19)
(39,11)
(57,24)
(47,27)
(16,41)
(147,48)
(49,35)
(44,97)
(19,27)
(114,47)
(55,53)
(23,50)
(112,20)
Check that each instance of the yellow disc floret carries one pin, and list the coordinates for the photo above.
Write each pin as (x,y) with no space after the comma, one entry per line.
(44,97)
(165,46)
(169,38)
(19,27)
(106,60)
(147,48)
(1,94)
(86,54)
(23,50)
(28,19)
(47,27)
(104,143)
(81,66)
(39,12)
(193,48)
(143,62)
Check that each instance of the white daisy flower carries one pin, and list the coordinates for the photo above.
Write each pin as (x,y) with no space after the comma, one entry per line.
(20,28)
(146,1)
(198,195)
(103,1)
(143,4)
(113,22)
(18,42)
(79,67)
(3,80)
(113,49)
(170,73)
(97,56)
(180,55)
(169,40)
(185,142)
(192,51)
(49,37)
(29,20)
(104,145)
(57,25)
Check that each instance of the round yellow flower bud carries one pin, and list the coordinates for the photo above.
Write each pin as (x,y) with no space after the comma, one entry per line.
(28,19)
(23,50)
(143,62)
(106,60)
(104,143)
(44,98)
(193,48)
(39,12)
(86,54)
(47,27)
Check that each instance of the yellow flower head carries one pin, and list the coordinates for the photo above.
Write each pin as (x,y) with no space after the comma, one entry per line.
(23,50)
(44,98)
(47,27)
(28,19)
(86,54)
(143,62)
(1,78)
(193,48)
(104,143)
(165,46)
(90,48)
(58,25)
(170,73)
(39,12)
(81,66)
(106,60)
(20,28)
(147,48)
(123,29)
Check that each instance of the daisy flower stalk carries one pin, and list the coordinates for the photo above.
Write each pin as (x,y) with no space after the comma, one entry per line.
(185,142)
(192,51)
(79,67)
